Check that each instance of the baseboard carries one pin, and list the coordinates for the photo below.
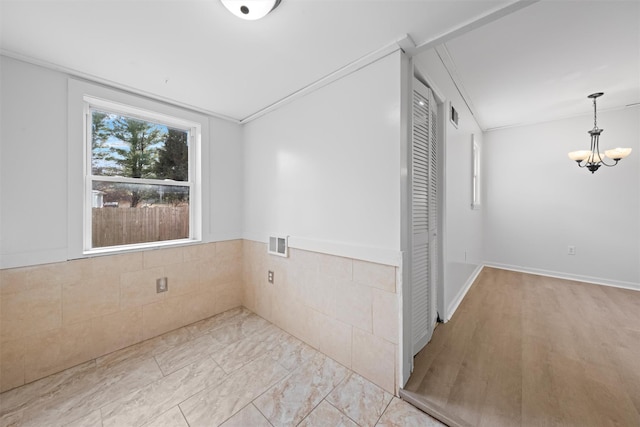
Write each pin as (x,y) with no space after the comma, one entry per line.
(453,306)
(567,276)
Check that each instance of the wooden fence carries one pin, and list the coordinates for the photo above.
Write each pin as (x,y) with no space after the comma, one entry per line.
(123,226)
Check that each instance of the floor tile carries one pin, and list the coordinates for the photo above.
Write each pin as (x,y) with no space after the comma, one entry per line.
(239,353)
(401,414)
(234,369)
(148,348)
(208,325)
(12,419)
(326,415)
(172,418)
(239,327)
(248,416)
(360,399)
(50,386)
(291,353)
(143,405)
(216,404)
(94,419)
(184,354)
(289,401)
(90,392)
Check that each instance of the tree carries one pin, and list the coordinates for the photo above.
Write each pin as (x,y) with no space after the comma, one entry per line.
(173,157)
(99,134)
(173,163)
(137,157)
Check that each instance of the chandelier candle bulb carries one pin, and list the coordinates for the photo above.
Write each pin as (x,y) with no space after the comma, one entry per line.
(579,156)
(593,158)
(618,153)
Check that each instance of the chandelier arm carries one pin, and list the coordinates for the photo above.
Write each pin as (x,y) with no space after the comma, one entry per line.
(616,162)
(595,146)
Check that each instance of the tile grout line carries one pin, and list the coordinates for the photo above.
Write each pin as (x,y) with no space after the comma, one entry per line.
(258,409)
(183,415)
(385,410)
(342,412)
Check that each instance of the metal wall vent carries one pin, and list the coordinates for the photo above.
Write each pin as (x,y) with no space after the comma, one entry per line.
(453,115)
(278,246)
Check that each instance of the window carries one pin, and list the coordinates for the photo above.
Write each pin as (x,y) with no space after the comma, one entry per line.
(140,177)
(475,202)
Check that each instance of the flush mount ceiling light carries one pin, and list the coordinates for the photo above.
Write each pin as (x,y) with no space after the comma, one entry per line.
(250,9)
(593,158)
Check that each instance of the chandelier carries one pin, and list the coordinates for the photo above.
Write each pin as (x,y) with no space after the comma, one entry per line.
(593,158)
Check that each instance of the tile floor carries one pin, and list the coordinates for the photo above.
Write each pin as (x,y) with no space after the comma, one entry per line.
(233,369)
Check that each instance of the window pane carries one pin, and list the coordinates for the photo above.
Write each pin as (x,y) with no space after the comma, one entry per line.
(124,214)
(134,148)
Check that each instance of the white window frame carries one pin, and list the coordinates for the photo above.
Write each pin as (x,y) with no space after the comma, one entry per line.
(79,164)
(194,130)
(475,173)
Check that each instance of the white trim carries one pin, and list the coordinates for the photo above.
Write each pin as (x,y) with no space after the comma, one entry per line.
(78,91)
(426,80)
(567,276)
(142,181)
(149,246)
(221,236)
(108,105)
(364,253)
(449,65)
(32,258)
(561,118)
(453,306)
(350,68)
(91,78)
(476,173)
(472,24)
(346,250)
(194,130)
(405,358)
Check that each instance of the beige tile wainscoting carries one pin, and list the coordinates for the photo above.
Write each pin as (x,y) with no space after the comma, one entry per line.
(56,316)
(346,308)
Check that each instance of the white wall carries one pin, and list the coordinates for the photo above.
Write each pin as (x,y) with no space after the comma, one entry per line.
(34,162)
(326,167)
(539,202)
(463,232)
(226,181)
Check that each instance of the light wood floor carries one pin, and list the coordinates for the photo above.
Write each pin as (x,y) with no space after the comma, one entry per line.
(526,350)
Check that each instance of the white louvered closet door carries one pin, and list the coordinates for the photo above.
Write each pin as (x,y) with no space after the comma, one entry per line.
(424,218)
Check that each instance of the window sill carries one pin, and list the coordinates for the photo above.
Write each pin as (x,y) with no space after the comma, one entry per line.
(111,250)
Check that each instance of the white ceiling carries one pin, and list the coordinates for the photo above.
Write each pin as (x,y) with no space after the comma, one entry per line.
(541,62)
(536,63)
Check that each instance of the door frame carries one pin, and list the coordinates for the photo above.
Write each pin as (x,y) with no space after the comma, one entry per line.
(409,72)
